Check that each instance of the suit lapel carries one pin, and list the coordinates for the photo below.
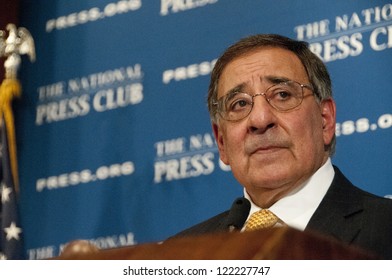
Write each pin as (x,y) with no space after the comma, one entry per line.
(340,212)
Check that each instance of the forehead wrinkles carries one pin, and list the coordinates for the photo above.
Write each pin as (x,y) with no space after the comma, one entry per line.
(252,72)
(242,72)
(254,67)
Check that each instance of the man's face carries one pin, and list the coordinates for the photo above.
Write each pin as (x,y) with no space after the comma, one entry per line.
(271,152)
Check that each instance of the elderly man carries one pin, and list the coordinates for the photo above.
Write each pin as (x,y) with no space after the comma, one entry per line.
(273,117)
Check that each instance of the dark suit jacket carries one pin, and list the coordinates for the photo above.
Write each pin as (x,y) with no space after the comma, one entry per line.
(347,213)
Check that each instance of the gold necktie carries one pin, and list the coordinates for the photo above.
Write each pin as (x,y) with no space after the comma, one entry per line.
(261,219)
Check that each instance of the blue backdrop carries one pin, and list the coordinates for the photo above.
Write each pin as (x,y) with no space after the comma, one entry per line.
(114,139)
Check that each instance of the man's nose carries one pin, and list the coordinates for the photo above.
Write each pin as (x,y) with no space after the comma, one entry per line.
(262,117)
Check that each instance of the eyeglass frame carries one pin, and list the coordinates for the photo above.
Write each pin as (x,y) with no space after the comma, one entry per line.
(218,104)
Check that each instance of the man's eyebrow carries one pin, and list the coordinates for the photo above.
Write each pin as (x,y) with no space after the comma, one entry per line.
(276,79)
(238,88)
(270,79)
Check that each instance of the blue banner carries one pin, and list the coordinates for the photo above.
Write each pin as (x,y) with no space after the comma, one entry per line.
(113,133)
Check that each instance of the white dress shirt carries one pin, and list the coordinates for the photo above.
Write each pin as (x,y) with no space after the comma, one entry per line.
(296,209)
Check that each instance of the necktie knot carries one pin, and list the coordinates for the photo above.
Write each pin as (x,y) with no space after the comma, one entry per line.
(261,219)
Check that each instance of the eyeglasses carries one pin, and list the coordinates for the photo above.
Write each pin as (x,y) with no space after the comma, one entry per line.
(283,96)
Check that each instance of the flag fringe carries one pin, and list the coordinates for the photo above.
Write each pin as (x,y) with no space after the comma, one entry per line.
(9,89)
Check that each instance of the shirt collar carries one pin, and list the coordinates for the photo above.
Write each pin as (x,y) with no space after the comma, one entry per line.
(297,208)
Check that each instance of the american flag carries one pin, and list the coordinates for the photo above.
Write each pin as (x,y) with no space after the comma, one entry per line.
(11,238)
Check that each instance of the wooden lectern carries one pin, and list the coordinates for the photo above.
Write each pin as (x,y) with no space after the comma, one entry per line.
(268,244)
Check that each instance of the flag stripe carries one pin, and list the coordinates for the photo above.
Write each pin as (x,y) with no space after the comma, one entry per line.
(11,243)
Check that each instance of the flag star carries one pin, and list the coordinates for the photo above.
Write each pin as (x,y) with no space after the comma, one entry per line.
(12,232)
(2,256)
(5,193)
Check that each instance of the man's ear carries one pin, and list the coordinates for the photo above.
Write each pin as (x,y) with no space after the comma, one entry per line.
(328,114)
(221,145)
